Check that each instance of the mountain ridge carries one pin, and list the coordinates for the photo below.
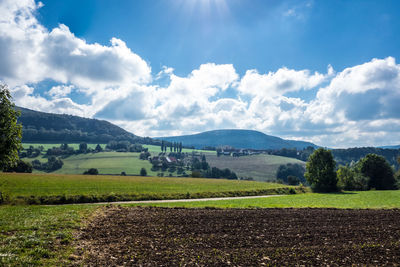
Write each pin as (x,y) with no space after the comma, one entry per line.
(50,127)
(238,138)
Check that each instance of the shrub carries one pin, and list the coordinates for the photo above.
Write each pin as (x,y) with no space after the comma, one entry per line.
(91,171)
(143,172)
(293,180)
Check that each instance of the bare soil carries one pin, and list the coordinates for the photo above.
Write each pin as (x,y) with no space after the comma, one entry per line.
(239,237)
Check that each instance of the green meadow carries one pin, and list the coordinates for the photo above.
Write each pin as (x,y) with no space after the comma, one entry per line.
(389,199)
(39,235)
(58,188)
(260,167)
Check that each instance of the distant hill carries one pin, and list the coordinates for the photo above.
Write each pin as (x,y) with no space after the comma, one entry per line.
(391,147)
(236,138)
(58,128)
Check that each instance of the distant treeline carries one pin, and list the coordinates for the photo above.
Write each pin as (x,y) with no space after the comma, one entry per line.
(343,156)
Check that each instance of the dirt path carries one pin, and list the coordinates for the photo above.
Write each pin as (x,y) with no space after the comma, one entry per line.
(239,237)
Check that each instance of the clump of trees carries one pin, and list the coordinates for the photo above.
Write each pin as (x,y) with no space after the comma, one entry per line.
(291,173)
(371,172)
(173,147)
(53,163)
(21,167)
(91,171)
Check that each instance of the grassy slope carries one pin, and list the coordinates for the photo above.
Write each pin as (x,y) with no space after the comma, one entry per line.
(106,162)
(37,185)
(39,235)
(346,200)
(261,167)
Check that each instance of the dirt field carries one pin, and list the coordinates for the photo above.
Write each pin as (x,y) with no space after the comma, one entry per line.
(256,237)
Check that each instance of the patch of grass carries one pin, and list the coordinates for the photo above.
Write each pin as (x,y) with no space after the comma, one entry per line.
(39,235)
(53,188)
(346,200)
(261,167)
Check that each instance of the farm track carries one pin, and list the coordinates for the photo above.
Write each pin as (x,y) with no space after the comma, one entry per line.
(134,236)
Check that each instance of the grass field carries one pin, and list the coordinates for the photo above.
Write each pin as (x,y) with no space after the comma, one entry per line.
(346,200)
(260,167)
(39,235)
(53,188)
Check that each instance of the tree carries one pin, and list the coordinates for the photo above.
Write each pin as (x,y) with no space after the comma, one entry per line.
(381,176)
(83,147)
(320,171)
(143,172)
(10,130)
(98,148)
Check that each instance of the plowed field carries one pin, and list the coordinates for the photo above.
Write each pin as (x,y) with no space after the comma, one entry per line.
(247,237)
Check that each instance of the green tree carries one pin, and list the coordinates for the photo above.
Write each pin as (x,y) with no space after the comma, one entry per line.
(10,130)
(320,171)
(143,172)
(381,176)
(98,148)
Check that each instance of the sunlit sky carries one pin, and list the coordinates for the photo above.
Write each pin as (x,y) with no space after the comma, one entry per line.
(320,71)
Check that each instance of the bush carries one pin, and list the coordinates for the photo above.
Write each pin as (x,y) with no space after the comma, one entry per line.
(91,171)
(293,180)
(143,172)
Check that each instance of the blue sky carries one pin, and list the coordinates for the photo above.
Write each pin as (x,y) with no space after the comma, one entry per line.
(321,71)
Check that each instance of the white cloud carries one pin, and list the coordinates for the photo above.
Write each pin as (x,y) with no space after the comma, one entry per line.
(60,91)
(31,54)
(280,82)
(354,107)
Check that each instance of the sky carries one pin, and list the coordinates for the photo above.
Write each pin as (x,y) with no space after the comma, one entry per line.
(319,71)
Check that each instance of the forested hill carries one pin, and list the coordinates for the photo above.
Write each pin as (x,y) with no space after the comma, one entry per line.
(238,139)
(58,128)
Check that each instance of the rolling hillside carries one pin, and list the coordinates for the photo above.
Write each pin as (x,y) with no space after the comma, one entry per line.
(59,128)
(238,139)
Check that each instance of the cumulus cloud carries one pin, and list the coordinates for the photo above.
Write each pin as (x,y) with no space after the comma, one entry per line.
(357,106)
(31,53)
(60,91)
(280,82)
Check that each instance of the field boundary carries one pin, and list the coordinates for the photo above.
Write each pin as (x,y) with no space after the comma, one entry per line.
(178,200)
(112,198)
